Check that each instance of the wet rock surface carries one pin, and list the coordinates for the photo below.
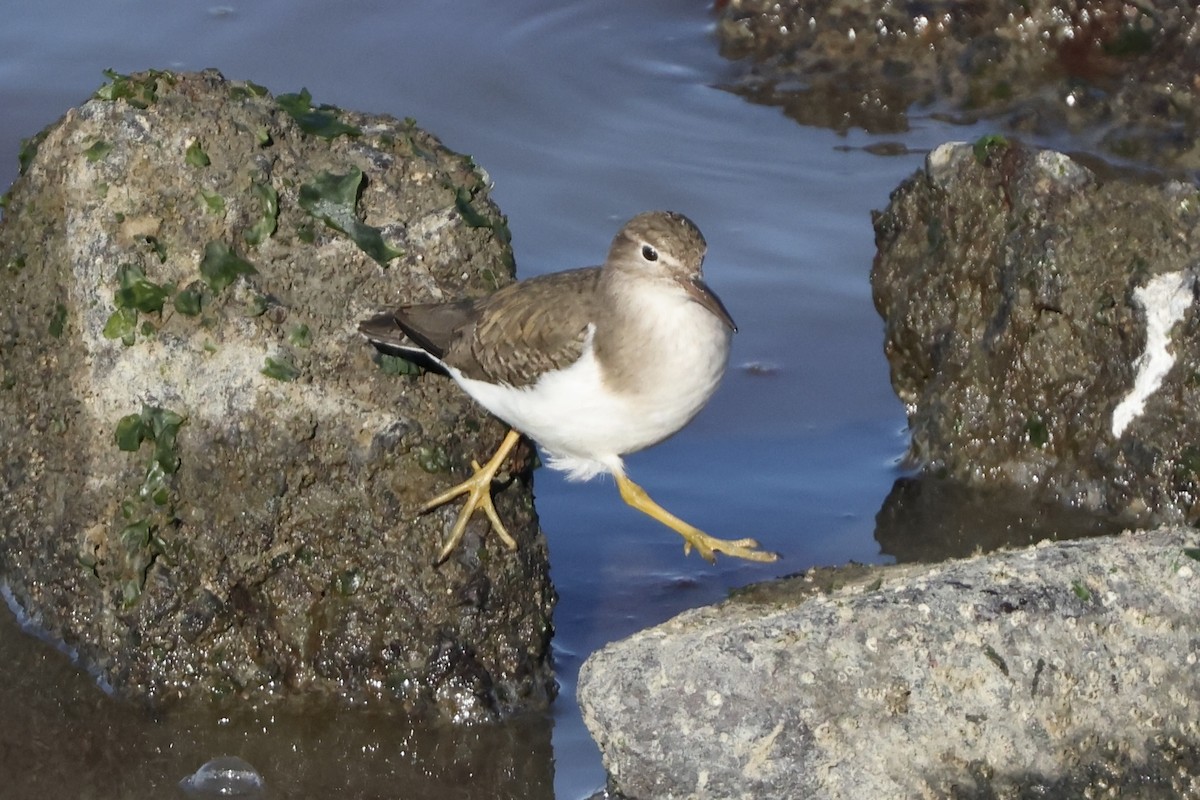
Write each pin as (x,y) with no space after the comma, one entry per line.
(1040,329)
(1122,75)
(209,483)
(1059,670)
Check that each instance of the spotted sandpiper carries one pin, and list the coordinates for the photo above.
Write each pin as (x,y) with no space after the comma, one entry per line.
(592,364)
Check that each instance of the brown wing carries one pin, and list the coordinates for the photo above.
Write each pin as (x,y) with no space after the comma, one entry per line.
(528,328)
(511,336)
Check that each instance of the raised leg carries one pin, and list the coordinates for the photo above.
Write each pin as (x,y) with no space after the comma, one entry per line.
(705,545)
(478,489)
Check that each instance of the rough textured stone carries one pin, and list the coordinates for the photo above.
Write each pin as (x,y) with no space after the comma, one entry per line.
(1064,670)
(1026,337)
(258,531)
(1120,74)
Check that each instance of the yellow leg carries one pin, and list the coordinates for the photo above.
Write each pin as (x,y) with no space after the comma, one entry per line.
(705,545)
(478,489)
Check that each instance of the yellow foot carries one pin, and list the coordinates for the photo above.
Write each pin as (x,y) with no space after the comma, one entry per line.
(707,546)
(478,489)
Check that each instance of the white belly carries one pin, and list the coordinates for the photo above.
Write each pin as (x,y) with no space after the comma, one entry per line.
(585,426)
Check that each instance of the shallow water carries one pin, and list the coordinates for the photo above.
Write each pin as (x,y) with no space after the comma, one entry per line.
(584,113)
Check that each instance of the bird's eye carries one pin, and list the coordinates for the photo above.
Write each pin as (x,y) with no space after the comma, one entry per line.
(649,253)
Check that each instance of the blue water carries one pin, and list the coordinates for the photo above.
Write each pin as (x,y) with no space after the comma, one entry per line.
(585,113)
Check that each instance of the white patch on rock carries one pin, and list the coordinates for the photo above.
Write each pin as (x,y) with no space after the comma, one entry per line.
(1165,299)
(941,163)
(1062,169)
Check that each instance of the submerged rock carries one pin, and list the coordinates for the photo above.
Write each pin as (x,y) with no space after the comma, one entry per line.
(1119,74)
(1060,670)
(1041,329)
(210,485)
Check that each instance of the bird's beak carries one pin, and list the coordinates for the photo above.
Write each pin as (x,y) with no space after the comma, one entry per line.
(698,290)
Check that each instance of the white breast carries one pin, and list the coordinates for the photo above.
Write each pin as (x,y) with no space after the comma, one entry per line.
(584,425)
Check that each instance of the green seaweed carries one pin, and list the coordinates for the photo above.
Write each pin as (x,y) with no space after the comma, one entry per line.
(490,278)
(139,91)
(28,150)
(131,590)
(137,292)
(130,433)
(462,201)
(1036,431)
(121,324)
(190,300)
(155,485)
(397,365)
(281,369)
(155,424)
(150,514)
(221,266)
(213,202)
(26,153)
(135,535)
(433,458)
(987,146)
(320,121)
(58,320)
(333,199)
(165,428)
(300,336)
(258,304)
(264,228)
(98,150)
(159,249)
(247,90)
(195,155)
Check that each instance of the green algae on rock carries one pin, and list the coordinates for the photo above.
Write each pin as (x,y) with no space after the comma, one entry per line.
(135,286)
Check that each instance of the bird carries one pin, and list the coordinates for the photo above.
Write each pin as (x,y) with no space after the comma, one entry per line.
(592,364)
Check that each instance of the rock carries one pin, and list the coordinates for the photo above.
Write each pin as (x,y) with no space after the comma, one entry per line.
(209,487)
(1040,326)
(1060,670)
(1119,75)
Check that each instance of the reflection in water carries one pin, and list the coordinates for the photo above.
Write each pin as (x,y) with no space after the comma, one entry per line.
(930,519)
(62,737)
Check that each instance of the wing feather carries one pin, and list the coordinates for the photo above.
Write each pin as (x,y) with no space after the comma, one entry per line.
(511,336)
(531,327)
